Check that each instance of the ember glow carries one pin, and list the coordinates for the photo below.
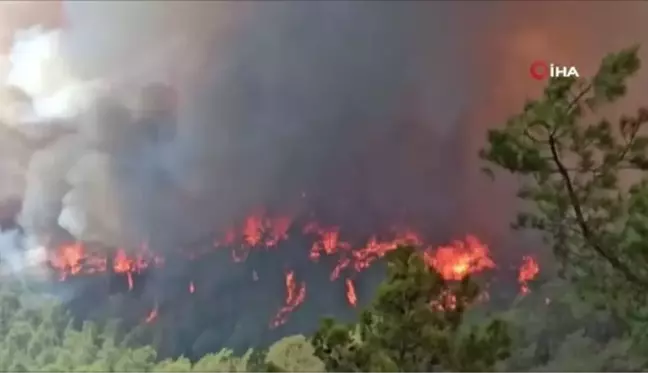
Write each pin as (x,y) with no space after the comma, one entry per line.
(295,295)
(528,271)
(456,261)
(259,230)
(351,293)
(75,259)
(265,232)
(152,315)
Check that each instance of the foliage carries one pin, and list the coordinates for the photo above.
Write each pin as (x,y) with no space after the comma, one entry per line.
(585,182)
(37,335)
(294,354)
(414,324)
(553,328)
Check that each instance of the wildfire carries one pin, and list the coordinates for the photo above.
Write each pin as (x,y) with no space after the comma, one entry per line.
(528,271)
(152,315)
(261,231)
(67,259)
(73,259)
(351,293)
(258,230)
(357,259)
(458,260)
(130,280)
(295,295)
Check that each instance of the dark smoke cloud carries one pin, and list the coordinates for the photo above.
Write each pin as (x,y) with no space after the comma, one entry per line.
(326,99)
(373,110)
(345,103)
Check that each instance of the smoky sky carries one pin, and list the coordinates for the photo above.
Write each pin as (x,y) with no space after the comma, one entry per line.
(374,111)
(322,99)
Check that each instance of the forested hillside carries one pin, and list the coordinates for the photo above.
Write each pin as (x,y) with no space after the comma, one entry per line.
(583,178)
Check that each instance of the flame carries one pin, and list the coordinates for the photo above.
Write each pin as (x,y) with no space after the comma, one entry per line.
(67,259)
(152,315)
(528,271)
(73,259)
(295,295)
(328,243)
(253,230)
(456,261)
(130,280)
(258,230)
(262,231)
(357,259)
(351,293)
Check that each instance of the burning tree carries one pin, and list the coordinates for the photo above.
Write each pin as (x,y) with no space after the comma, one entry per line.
(414,324)
(586,183)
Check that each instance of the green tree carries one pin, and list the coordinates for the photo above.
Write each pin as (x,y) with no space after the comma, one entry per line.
(553,329)
(583,180)
(38,335)
(414,324)
(294,354)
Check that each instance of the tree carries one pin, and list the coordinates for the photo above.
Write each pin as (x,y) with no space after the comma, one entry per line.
(414,324)
(553,329)
(36,334)
(584,182)
(293,354)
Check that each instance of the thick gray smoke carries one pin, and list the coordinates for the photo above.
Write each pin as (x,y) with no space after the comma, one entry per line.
(320,100)
(326,100)
(372,111)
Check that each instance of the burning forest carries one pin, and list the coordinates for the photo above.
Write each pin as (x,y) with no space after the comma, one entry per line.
(268,236)
(226,174)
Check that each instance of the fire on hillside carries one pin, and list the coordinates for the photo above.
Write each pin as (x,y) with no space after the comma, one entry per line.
(261,231)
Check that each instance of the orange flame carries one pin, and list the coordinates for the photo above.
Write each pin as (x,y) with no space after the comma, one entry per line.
(460,259)
(350,293)
(130,280)
(295,295)
(253,230)
(152,315)
(528,271)
(67,259)
(262,231)
(258,230)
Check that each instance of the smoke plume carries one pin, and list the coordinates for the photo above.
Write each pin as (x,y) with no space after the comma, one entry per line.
(366,114)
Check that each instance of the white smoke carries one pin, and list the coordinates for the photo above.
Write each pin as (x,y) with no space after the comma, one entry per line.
(90,211)
(21,258)
(69,186)
(52,104)
(39,69)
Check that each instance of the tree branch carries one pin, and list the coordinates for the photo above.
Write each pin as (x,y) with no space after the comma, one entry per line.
(580,219)
(578,97)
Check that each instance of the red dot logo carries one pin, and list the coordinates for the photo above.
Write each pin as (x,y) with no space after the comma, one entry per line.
(539,70)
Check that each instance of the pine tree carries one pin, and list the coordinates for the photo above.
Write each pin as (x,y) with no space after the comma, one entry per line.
(414,324)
